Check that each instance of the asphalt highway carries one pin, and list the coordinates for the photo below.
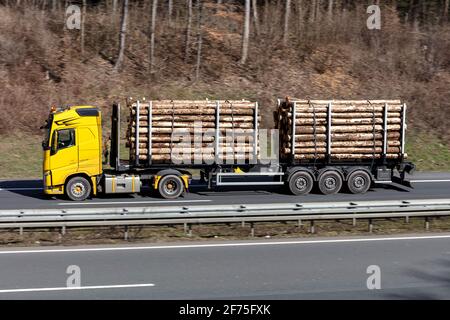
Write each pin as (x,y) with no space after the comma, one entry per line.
(405,267)
(27,194)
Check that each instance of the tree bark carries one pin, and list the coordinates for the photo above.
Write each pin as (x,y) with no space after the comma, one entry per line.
(188,30)
(330,9)
(255,16)
(199,38)
(246,34)
(170,11)
(286,22)
(446,5)
(152,35)
(123,32)
(83,29)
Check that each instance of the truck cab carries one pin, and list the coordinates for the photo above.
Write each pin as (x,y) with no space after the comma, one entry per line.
(72,152)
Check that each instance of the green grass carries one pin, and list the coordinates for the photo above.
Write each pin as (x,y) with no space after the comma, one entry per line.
(21,155)
(428,152)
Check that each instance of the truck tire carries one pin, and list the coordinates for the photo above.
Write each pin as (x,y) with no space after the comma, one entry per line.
(300,183)
(78,189)
(330,182)
(170,186)
(359,181)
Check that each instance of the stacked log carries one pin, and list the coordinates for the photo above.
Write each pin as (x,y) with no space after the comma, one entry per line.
(357,130)
(183,130)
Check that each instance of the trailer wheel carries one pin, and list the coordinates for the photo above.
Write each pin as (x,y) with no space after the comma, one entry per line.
(301,183)
(170,186)
(78,189)
(330,182)
(358,182)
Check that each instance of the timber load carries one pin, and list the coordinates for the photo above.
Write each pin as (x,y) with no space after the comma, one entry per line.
(192,132)
(341,130)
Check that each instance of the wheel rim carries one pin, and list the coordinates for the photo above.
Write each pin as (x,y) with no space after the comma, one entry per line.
(301,183)
(330,183)
(171,187)
(78,189)
(359,182)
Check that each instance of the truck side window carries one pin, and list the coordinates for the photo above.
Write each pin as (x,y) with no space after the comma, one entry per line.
(66,138)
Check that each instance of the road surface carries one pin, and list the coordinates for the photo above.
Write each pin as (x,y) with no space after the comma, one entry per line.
(27,194)
(411,267)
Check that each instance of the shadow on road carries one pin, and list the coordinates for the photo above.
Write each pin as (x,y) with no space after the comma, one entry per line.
(435,281)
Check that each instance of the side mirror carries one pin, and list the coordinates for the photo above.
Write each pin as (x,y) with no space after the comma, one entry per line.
(54,146)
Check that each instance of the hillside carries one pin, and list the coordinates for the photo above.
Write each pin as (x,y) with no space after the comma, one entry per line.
(327,55)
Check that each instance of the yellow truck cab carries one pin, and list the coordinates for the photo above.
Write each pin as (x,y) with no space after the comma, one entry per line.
(72,152)
(73,159)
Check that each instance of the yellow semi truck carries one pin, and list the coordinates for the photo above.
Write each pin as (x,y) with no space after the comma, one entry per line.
(73,164)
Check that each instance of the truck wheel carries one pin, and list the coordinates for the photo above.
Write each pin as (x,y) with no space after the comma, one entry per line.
(78,189)
(170,186)
(358,182)
(300,183)
(330,182)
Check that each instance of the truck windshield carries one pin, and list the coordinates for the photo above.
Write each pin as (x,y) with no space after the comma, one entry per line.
(47,127)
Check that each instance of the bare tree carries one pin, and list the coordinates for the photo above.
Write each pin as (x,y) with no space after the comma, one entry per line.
(123,32)
(312,11)
(446,5)
(300,16)
(330,9)
(188,30)
(245,37)
(83,29)
(170,11)
(114,10)
(255,16)
(286,22)
(152,35)
(199,38)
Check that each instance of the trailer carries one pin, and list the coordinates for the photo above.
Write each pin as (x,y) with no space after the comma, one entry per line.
(73,154)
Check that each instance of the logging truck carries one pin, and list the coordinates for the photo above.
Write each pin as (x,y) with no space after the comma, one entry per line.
(332,145)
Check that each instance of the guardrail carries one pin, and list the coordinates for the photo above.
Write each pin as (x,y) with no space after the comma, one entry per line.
(188,215)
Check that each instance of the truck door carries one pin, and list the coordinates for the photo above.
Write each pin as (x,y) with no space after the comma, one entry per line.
(63,155)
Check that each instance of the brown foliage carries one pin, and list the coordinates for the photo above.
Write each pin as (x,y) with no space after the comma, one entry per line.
(337,57)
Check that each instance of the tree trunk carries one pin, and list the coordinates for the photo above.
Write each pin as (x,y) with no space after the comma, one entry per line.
(255,16)
(152,35)
(170,9)
(188,30)
(83,29)
(300,16)
(330,9)
(286,22)
(446,5)
(245,37)
(312,11)
(199,38)
(123,32)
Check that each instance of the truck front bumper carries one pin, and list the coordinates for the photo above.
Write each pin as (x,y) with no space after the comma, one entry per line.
(48,187)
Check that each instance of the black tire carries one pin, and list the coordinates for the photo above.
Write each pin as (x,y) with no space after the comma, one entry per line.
(78,189)
(170,186)
(300,183)
(359,181)
(330,182)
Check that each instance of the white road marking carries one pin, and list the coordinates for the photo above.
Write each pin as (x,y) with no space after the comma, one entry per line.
(236,244)
(139,285)
(19,189)
(429,181)
(127,202)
